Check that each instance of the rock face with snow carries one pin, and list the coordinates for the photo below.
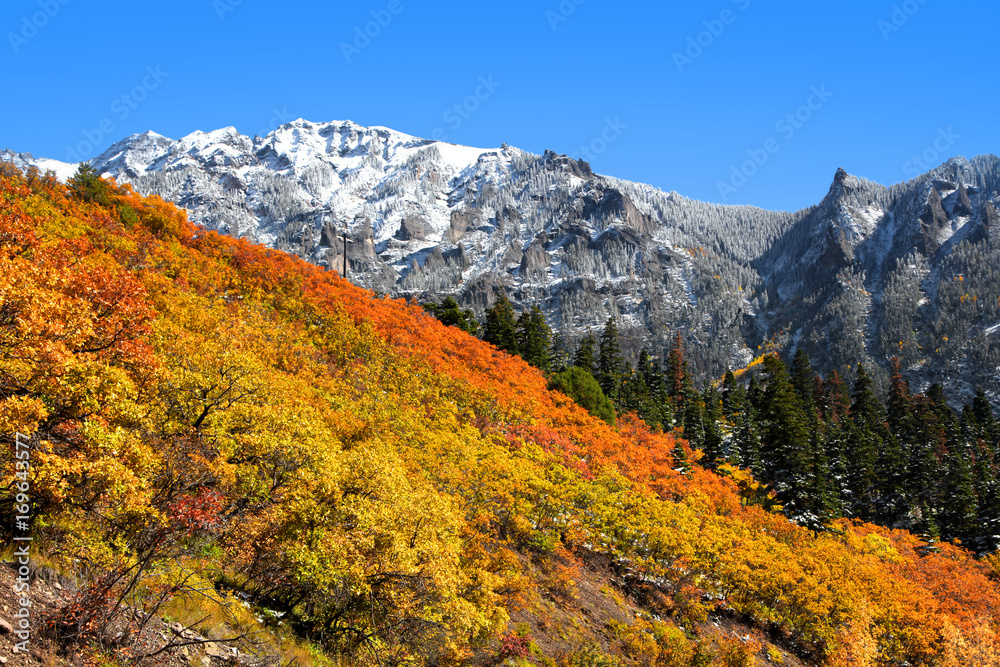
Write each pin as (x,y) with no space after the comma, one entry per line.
(870,273)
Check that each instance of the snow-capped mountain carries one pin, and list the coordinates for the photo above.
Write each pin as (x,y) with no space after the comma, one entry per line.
(870,273)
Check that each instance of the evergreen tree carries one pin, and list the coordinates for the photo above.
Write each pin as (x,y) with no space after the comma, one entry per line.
(785,439)
(983,412)
(586,355)
(713,444)
(580,385)
(680,388)
(874,459)
(694,420)
(744,448)
(982,427)
(923,472)
(534,339)
(450,313)
(653,379)
(611,364)
(750,440)
(957,516)
(899,408)
(500,328)
(559,354)
(834,408)
(802,379)
(822,495)
(88,185)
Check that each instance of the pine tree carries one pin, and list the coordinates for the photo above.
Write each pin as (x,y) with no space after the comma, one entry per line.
(653,378)
(450,313)
(88,185)
(580,385)
(956,513)
(611,365)
(983,412)
(586,355)
(785,438)
(923,480)
(737,412)
(899,408)
(500,328)
(834,408)
(958,516)
(802,380)
(694,420)
(986,480)
(559,354)
(713,444)
(680,388)
(874,459)
(534,339)
(822,495)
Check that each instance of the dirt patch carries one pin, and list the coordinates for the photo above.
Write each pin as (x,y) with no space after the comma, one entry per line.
(48,591)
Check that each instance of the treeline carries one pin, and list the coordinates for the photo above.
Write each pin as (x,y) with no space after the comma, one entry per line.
(827,449)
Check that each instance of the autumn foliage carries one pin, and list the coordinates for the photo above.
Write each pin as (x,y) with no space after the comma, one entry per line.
(378,476)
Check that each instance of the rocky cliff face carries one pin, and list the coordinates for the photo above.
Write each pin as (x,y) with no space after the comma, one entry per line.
(870,273)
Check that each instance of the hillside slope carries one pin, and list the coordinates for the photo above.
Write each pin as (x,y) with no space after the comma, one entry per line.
(209,416)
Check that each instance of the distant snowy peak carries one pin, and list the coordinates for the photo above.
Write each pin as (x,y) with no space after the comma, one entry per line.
(294,147)
(133,155)
(345,145)
(23,161)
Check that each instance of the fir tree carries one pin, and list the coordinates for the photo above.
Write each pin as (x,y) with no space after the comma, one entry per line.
(500,328)
(785,442)
(749,438)
(611,365)
(874,458)
(88,185)
(534,339)
(586,355)
(580,385)
(958,516)
(694,420)
(923,480)
(450,313)
(679,385)
(559,354)
(713,444)
(834,408)
(802,380)
(653,379)
(744,448)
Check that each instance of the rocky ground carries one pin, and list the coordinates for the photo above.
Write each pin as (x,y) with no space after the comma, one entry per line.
(166,643)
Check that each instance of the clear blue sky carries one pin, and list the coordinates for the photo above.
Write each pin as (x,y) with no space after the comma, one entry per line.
(559,73)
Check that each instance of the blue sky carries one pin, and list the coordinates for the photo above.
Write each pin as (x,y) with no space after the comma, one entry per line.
(737,101)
